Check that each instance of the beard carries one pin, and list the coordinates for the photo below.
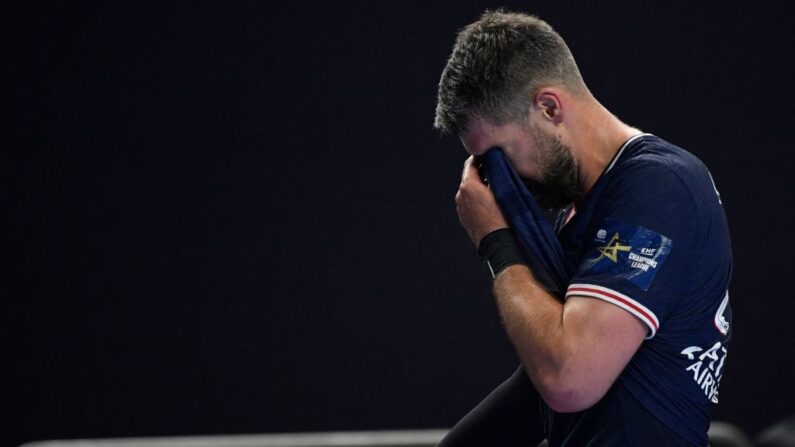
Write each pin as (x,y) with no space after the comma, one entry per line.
(560,179)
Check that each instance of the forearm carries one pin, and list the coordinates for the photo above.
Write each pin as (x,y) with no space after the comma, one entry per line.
(534,321)
(572,352)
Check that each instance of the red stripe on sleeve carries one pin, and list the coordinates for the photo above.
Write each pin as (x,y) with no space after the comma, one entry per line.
(617,298)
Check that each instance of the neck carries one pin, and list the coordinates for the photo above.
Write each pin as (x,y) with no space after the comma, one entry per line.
(598,138)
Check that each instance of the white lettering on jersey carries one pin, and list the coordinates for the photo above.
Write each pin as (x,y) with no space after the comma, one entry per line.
(714,187)
(720,321)
(707,369)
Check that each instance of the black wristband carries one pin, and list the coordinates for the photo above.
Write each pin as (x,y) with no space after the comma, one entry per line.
(499,249)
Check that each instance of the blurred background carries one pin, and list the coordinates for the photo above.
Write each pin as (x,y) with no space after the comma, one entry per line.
(235,217)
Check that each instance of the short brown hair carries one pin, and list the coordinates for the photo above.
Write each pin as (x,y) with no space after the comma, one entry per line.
(496,66)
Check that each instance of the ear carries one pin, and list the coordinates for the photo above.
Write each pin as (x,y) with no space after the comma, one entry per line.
(547,101)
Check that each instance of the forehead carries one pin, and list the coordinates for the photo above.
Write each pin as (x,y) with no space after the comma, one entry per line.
(483,134)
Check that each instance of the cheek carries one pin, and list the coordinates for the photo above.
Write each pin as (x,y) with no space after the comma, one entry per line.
(527,165)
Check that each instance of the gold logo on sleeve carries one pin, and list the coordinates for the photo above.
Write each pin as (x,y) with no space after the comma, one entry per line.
(610,251)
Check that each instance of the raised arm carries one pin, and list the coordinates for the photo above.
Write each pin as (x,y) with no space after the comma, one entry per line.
(572,352)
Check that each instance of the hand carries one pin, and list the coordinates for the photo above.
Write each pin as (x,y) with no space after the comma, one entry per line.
(477,209)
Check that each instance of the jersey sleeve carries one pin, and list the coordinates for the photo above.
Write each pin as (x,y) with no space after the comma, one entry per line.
(639,248)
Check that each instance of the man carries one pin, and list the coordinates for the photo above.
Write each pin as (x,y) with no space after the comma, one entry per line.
(634,352)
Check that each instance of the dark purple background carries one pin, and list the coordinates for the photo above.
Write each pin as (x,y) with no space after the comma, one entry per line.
(236,217)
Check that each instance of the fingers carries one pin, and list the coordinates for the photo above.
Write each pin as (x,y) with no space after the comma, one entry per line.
(471,174)
(476,205)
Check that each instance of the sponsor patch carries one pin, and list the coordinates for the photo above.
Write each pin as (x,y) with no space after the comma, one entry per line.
(627,251)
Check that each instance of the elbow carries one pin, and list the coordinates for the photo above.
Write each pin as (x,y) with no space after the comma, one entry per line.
(568,401)
(566,394)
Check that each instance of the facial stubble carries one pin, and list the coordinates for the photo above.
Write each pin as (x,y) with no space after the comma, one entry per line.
(559,184)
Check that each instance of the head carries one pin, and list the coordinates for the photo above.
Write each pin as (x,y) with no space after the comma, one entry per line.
(506,84)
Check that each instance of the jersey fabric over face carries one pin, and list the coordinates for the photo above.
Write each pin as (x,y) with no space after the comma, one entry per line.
(651,237)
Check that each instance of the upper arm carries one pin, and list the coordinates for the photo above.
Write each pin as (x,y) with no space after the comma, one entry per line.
(635,267)
(600,338)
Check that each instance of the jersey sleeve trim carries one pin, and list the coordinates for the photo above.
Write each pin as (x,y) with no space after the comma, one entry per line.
(619,299)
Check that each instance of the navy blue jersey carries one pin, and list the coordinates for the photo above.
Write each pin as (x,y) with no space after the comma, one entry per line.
(651,237)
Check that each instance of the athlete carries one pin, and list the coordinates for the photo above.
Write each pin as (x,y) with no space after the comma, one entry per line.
(634,350)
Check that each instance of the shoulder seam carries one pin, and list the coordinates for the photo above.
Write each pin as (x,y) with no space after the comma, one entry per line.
(698,236)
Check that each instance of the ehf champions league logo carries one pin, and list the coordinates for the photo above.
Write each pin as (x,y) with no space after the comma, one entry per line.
(632,252)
